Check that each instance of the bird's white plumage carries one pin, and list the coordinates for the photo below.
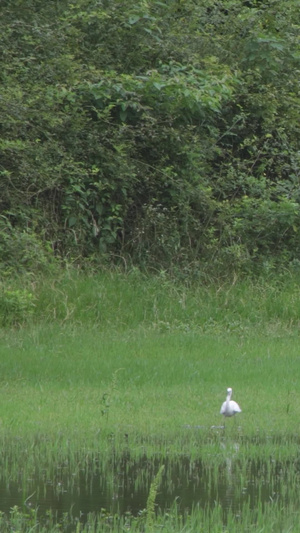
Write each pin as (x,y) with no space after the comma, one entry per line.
(230,407)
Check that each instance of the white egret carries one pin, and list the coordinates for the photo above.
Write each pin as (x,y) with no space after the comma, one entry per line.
(229,407)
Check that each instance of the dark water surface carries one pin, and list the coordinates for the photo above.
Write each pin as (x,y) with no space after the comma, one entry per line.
(123,484)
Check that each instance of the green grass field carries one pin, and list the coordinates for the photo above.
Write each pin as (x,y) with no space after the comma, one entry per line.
(148,356)
(148,361)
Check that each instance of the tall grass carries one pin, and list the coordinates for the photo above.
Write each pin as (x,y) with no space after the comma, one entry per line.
(126,301)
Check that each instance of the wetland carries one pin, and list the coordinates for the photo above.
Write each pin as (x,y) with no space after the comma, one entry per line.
(110,413)
(240,481)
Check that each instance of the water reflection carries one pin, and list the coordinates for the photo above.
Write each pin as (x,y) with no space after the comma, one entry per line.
(122,485)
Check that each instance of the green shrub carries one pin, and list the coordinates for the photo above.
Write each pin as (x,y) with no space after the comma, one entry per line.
(16,306)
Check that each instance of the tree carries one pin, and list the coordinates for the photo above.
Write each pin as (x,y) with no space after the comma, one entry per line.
(166,133)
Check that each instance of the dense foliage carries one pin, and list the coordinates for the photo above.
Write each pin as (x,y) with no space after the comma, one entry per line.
(160,133)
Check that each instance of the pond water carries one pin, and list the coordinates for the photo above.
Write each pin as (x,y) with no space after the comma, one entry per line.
(122,485)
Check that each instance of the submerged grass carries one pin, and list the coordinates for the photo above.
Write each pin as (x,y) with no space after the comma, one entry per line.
(118,363)
(273,518)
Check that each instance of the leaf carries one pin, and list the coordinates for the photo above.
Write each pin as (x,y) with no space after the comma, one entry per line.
(123,115)
(72,221)
(133,19)
(158,85)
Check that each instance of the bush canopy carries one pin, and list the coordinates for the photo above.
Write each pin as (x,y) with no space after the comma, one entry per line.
(163,134)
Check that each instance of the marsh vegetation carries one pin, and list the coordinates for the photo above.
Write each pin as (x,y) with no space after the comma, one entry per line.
(113,376)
